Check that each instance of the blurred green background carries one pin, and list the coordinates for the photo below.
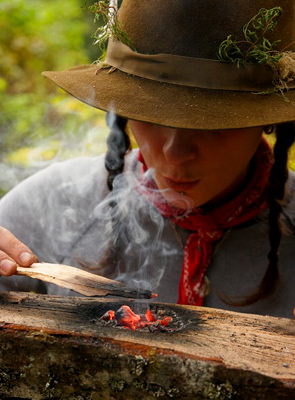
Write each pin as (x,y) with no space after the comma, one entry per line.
(39,123)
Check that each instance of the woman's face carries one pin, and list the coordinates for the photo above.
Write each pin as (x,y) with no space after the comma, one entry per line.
(206,166)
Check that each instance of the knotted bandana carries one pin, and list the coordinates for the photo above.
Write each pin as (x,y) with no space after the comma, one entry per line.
(207,228)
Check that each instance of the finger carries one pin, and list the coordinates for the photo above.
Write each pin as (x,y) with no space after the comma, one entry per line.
(15,249)
(7,265)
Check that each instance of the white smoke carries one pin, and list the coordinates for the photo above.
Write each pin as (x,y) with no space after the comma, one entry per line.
(86,228)
(140,235)
(131,223)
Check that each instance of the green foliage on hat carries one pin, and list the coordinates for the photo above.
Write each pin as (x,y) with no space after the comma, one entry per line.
(256,48)
(106,15)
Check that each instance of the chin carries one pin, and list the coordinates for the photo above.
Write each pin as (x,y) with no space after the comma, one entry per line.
(178,200)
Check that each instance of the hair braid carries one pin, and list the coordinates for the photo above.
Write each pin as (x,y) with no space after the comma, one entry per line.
(118,143)
(285,134)
(279,174)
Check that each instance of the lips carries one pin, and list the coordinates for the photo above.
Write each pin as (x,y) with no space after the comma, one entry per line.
(180,185)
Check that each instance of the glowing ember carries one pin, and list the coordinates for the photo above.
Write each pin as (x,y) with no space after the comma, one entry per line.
(127,318)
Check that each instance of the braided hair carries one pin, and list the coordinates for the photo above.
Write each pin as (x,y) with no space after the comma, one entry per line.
(285,134)
(118,144)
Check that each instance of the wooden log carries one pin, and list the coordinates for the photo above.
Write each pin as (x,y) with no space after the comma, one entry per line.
(57,347)
(80,281)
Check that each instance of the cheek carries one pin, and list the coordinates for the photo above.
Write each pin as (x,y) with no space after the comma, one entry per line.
(224,170)
(235,153)
(150,146)
(228,162)
(149,152)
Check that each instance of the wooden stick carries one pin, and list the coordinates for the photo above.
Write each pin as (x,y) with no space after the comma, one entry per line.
(80,281)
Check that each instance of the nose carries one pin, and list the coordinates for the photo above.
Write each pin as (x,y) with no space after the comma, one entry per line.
(179,147)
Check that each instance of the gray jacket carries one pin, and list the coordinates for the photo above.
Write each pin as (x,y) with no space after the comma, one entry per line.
(63,214)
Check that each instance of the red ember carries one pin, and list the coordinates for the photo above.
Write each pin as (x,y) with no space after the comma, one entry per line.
(127,318)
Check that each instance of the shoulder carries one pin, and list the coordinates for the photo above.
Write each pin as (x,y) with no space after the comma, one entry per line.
(57,199)
(72,177)
(82,176)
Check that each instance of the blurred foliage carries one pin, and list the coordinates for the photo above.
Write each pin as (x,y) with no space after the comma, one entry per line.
(38,121)
(291,159)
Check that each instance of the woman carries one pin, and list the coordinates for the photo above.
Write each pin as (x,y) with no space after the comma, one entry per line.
(189,215)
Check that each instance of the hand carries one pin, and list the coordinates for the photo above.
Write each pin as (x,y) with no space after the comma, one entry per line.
(13,252)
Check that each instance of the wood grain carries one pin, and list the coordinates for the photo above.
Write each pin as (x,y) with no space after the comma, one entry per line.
(218,353)
(80,281)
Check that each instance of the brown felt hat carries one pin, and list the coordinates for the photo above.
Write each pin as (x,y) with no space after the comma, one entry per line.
(174,77)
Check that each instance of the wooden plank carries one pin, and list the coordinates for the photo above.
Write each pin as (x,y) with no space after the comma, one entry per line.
(58,347)
(80,281)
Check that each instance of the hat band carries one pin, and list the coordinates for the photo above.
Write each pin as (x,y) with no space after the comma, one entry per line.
(189,71)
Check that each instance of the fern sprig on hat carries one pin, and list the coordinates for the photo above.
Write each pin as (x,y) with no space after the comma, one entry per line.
(106,15)
(256,48)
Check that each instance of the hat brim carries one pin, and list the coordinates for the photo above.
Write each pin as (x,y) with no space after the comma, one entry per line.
(173,105)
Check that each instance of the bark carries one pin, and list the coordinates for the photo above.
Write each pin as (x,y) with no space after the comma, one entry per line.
(58,348)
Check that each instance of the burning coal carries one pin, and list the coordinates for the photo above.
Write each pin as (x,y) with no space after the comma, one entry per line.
(152,321)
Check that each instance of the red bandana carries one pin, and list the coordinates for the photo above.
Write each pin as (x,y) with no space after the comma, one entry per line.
(208,228)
